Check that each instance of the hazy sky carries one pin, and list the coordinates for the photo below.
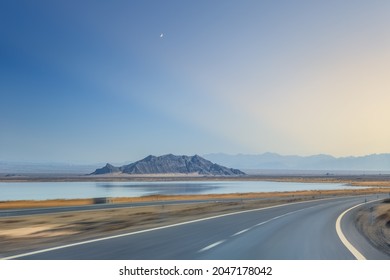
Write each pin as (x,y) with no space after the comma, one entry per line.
(94,81)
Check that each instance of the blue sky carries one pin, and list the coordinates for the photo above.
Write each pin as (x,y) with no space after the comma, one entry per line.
(93,81)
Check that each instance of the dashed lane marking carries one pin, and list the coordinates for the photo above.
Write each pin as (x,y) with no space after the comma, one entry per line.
(211,246)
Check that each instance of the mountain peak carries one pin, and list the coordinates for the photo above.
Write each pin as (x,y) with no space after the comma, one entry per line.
(149,158)
(171,164)
(107,169)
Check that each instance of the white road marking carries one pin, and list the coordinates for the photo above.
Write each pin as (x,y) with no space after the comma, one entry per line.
(274,218)
(281,216)
(350,247)
(241,232)
(211,246)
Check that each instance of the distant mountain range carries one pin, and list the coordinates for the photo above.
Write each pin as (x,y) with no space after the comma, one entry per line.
(170,164)
(11,168)
(272,161)
(211,164)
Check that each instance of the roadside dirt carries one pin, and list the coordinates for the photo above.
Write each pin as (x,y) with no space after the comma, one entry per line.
(374,223)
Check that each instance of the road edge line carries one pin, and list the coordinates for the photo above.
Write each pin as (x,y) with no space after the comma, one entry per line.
(355,252)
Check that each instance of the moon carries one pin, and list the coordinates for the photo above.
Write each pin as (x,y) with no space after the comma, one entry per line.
(161,35)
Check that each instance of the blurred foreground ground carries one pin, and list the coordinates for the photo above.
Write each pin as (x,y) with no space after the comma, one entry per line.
(34,232)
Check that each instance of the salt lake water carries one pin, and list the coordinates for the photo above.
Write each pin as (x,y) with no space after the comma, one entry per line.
(71,190)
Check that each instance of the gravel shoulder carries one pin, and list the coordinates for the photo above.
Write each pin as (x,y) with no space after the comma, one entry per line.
(374,223)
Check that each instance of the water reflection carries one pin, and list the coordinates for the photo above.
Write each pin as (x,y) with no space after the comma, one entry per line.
(160,188)
(70,190)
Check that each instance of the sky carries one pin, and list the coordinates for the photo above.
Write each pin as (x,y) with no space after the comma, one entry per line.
(115,81)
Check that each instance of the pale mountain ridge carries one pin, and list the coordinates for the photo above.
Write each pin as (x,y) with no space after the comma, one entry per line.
(266,161)
(273,161)
(10,168)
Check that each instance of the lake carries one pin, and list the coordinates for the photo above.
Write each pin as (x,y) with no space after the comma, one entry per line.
(72,190)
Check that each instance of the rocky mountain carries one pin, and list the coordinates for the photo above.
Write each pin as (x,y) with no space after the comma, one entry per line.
(108,168)
(171,164)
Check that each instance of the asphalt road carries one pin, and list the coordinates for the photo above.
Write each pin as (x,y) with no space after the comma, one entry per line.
(295,231)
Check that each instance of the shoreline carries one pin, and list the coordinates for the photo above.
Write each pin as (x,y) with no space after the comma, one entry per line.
(351,180)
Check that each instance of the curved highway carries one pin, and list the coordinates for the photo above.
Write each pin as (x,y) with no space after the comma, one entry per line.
(303,230)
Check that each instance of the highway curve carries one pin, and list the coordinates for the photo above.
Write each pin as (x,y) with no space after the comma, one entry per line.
(303,230)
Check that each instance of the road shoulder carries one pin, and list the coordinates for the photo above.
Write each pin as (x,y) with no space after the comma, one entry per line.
(373,222)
